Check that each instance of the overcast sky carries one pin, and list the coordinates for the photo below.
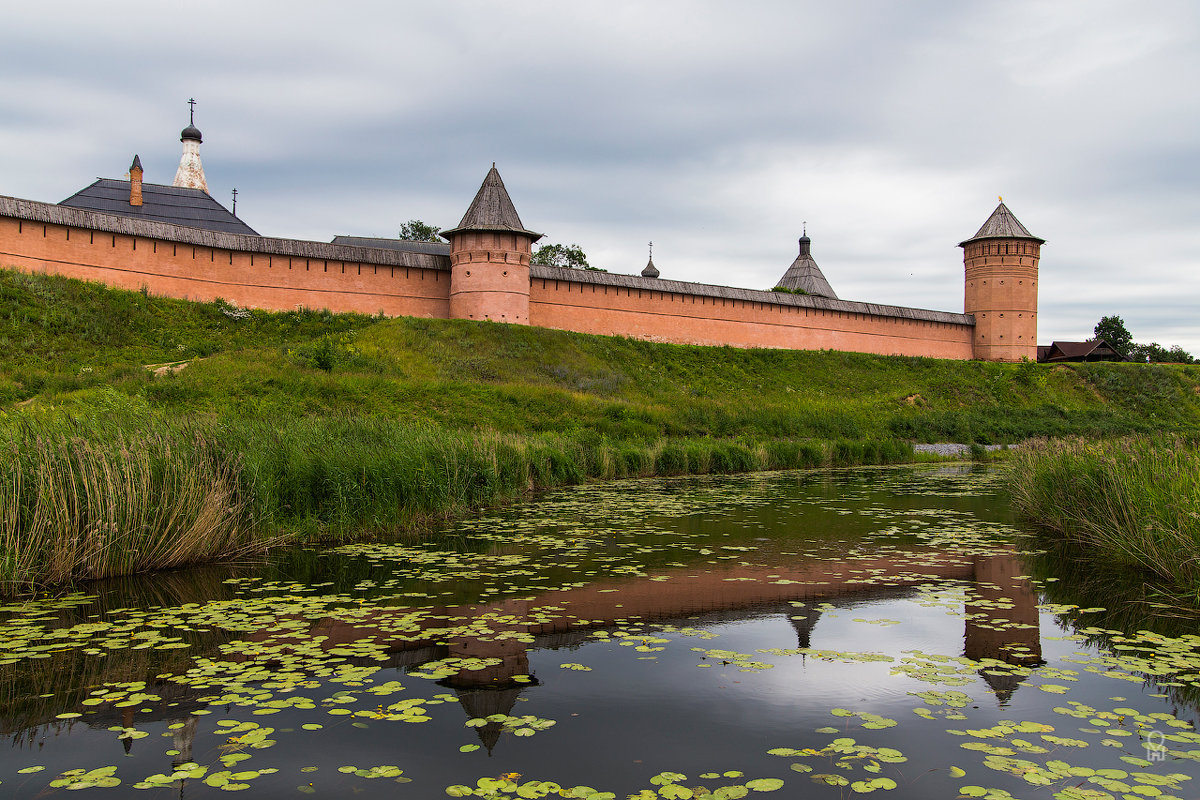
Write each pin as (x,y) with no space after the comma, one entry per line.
(713,129)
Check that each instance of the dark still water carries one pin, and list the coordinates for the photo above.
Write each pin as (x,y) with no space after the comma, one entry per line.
(817,634)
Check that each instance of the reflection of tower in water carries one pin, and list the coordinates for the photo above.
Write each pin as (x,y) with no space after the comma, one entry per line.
(491,689)
(803,620)
(182,739)
(1002,622)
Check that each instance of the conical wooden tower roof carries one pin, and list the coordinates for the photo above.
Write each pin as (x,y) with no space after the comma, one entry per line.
(804,275)
(492,210)
(1002,224)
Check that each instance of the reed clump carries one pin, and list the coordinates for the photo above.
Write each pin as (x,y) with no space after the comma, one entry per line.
(1132,502)
(81,502)
(325,477)
(99,497)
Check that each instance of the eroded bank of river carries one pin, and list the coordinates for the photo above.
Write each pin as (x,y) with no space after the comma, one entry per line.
(815,634)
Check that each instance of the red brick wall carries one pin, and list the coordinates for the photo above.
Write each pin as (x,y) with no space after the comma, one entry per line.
(278,282)
(203,273)
(693,319)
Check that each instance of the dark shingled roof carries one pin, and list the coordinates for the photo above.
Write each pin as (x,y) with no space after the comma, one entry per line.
(1092,350)
(805,275)
(430,248)
(492,210)
(1002,225)
(170,204)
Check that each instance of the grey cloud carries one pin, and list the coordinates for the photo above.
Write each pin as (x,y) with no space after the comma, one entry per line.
(713,129)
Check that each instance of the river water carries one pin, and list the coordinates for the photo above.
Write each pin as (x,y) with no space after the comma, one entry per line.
(817,634)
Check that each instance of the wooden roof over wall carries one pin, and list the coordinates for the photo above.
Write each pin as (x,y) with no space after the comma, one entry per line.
(33,211)
(749,295)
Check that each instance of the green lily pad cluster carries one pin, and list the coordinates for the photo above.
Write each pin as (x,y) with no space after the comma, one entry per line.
(743,661)
(526,725)
(665,786)
(847,755)
(86,779)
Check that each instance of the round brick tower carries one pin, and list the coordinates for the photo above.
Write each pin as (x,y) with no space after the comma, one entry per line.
(1001,264)
(489,258)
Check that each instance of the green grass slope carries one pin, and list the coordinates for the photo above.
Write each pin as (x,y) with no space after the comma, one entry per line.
(76,348)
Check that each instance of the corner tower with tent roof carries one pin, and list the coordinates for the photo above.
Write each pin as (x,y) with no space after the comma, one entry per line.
(1001,266)
(489,258)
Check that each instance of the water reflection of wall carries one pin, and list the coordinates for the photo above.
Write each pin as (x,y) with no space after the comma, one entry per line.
(1001,621)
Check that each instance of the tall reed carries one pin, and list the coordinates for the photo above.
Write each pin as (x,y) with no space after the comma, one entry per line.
(1132,502)
(81,502)
(91,499)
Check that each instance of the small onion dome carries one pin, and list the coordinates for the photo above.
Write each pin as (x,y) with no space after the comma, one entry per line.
(190,132)
(805,245)
(650,271)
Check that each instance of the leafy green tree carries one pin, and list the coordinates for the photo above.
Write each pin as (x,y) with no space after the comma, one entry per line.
(1113,330)
(560,255)
(417,231)
(1156,353)
(1178,355)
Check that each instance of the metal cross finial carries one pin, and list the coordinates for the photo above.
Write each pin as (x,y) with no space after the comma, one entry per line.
(235,202)
(192,111)
(651,251)
(804,228)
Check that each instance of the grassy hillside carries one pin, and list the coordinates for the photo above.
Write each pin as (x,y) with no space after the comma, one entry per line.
(78,347)
(140,432)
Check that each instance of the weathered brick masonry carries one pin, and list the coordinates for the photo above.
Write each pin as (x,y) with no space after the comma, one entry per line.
(677,311)
(254,271)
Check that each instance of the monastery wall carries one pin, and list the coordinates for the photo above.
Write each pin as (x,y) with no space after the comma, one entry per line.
(276,274)
(283,274)
(688,313)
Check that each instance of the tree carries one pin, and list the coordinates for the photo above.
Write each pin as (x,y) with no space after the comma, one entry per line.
(417,231)
(1156,353)
(1112,330)
(560,255)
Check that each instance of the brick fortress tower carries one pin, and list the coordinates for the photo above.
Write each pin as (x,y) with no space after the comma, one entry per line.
(489,258)
(1001,264)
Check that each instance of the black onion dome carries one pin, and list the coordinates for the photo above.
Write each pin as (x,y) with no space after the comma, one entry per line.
(190,132)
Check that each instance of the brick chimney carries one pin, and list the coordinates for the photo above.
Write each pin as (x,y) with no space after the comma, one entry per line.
(135,182)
